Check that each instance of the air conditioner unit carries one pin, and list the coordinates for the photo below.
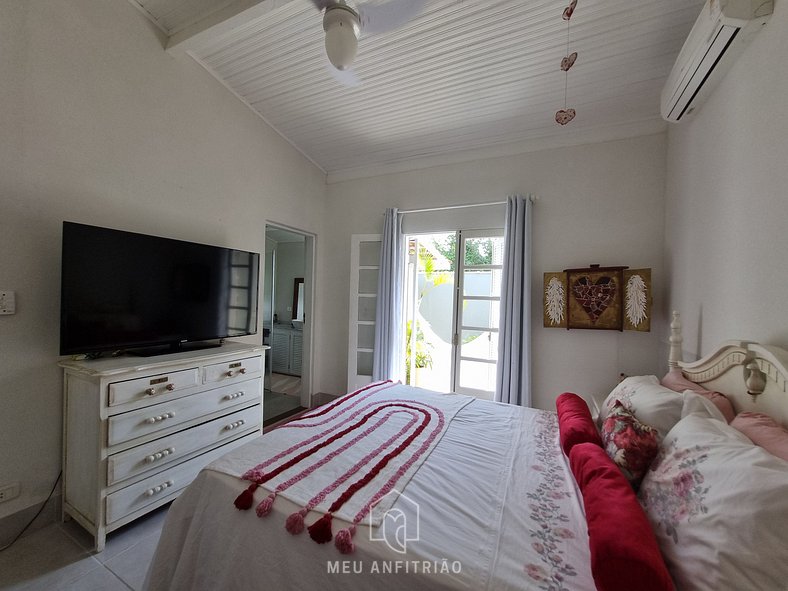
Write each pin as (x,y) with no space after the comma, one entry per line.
(722,31)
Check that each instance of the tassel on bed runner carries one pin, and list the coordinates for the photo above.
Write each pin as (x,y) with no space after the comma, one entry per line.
(245,500)
(320,530)
(295,523)
(344,540)
(265,506)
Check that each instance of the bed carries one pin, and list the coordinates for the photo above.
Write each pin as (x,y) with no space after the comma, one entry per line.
(394,487)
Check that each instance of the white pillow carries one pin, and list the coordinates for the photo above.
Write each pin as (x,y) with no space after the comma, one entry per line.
(719,508)
(652,404)
(700,405)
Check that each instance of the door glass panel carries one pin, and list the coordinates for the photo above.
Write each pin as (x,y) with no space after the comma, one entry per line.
(364,363)
(369,254)
(481,282)
(487,250)
(429,353)
(481,313)
(366,308)
(366,336)
(368,281)
(479,345)
(476,375)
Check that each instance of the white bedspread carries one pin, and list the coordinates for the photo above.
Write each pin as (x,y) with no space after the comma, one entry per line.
(494,506)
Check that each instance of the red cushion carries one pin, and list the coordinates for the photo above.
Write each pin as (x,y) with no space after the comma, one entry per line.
(624,550)
(575,424)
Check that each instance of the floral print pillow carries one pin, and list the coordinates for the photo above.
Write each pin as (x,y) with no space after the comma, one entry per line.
(631,444)
(651,403)
(719,508)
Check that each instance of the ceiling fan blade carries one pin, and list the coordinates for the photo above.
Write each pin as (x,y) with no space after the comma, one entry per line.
(389,16)
(345,77)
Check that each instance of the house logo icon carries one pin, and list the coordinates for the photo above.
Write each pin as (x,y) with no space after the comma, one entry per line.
(400,524)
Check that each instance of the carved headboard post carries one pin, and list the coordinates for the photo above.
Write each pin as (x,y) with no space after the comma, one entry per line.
(674,357)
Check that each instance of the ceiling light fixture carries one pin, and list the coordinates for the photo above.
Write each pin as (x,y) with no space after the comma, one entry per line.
(341,24)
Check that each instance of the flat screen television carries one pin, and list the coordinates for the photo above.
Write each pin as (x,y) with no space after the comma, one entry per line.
(122,291)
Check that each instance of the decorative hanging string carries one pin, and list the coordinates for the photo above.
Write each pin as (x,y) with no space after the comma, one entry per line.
(564,116)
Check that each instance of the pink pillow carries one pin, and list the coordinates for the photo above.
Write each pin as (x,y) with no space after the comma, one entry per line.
(624,550)
(764,431)
(676,381)
(631,444)
(575,424)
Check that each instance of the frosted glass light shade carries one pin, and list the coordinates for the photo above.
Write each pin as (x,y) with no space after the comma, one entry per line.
(341,26)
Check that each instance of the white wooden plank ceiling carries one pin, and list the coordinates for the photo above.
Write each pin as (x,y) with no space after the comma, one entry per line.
(463,76)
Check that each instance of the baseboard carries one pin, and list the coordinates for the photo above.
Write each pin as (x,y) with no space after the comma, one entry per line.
(11,525)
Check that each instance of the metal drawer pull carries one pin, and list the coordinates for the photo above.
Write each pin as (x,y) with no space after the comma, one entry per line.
(152,391)
(234,425)
(233,396)
(229,373)
(159,455)
(159,418)
(157,489)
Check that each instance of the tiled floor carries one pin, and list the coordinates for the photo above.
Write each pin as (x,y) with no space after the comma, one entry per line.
(60,557)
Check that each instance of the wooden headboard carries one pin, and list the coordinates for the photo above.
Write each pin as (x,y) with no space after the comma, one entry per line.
(753,376)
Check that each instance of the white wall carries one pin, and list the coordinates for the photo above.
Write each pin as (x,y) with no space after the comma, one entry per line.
(600,203)
(99,125)
(727,203)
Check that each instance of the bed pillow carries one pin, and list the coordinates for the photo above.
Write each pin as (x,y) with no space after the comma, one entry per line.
(650,402)
(764,431)
(719,508)
(675,380)
(575,424)
(624,551)
(631,444)
(700,405)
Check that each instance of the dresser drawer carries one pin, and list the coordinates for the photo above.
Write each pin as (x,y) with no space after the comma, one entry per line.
(150,387)
(171,449)
(163,484)
(158,417)
(237,369)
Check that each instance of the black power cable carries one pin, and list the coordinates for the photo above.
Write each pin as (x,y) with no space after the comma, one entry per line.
(29,523)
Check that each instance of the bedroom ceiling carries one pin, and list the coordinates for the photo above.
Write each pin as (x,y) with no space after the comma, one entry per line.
(464,80)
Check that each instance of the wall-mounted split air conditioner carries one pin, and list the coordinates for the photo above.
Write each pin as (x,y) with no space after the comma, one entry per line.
(722,31)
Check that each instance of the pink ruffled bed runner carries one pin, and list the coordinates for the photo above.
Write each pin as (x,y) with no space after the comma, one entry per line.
(350,459)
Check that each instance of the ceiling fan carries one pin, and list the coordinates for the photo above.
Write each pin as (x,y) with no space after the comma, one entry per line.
(343,26)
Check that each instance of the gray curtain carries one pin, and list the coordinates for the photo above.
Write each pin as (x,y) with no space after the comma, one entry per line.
(388,357)
(513,380)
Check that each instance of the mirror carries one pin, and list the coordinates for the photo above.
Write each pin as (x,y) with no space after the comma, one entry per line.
(298,299)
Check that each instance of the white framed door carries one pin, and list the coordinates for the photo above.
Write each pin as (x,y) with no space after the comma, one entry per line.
(452,307)
(364,275)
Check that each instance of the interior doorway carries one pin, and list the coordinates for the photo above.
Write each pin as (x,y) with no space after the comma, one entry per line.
(287,327)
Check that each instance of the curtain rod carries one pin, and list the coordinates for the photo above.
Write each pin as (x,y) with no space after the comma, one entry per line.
(445,207)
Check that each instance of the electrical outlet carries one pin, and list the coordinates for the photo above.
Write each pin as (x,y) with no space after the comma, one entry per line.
(7,302)
(9,491)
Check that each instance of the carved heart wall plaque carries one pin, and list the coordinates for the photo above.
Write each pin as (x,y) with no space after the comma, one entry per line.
(594,296)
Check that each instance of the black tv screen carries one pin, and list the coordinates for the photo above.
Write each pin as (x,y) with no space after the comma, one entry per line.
(125,291)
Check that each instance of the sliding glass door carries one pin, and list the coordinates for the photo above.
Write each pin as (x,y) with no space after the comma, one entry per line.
(453,302)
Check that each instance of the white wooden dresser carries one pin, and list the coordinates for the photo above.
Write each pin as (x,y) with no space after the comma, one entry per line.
(137,430)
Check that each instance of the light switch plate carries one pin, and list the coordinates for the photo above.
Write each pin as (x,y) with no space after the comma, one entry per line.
(7,302)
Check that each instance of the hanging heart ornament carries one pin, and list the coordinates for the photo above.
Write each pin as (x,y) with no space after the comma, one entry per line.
(569,10)
(569,61)
(564,116)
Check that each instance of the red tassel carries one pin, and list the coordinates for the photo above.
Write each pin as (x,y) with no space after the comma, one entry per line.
(265,506)
(344,540)
(320,530)
(295,523)
(245,500)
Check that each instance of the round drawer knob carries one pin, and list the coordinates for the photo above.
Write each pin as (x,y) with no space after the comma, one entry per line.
(150,459)
(229,373)
(150,492)
(150,391)
(170,387)
(151,420)
(242,370)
